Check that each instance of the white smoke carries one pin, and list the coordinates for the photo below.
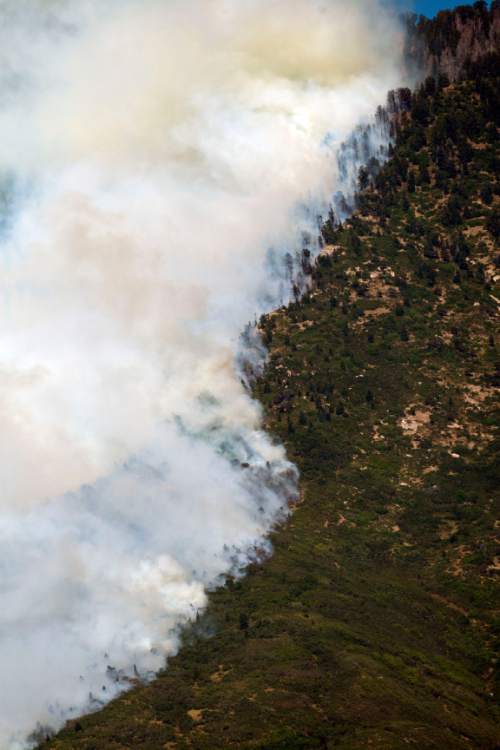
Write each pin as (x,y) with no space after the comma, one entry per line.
(153,153)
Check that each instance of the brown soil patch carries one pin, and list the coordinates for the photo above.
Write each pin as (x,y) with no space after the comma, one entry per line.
(196,714)
(220,674)
(448,530)
(415,420)
(495,565)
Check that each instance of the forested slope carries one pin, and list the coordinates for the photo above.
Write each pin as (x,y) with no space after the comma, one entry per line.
(375,623)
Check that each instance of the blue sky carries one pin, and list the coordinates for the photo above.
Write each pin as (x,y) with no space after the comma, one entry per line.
(430,7)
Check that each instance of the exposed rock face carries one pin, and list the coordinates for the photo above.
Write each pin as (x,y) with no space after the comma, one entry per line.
(447,43)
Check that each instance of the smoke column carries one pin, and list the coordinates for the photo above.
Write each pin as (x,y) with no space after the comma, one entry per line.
(156,162)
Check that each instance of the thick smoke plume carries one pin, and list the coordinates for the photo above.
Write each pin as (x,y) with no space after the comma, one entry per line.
(157,158)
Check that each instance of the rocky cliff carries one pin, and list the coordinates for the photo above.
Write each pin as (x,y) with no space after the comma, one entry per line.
(446,44)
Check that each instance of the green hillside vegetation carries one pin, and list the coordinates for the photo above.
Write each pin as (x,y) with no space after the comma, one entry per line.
(375,623)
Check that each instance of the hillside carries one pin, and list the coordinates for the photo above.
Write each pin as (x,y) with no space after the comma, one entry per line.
(375,623)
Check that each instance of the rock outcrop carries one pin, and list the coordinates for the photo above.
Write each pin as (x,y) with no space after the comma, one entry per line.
(446,44)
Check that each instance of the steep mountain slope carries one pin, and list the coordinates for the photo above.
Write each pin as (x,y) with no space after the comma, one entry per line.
(375,624)
(445,44)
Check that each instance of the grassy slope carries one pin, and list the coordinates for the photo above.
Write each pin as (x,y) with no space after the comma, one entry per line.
(373,625)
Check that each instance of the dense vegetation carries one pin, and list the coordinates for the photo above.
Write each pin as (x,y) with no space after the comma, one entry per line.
(375,624)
